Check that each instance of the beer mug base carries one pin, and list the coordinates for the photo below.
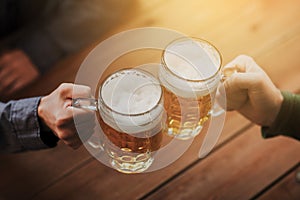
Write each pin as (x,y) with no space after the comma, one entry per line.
(132,164)
(184,134)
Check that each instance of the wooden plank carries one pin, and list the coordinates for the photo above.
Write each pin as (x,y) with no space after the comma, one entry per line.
(94,179)
(237,171)
(282,63)
(236,16)
(66,69)
(63,72)
(268,33)
(187,16)
(277,52)
(22,175)
(257,26)
(235,27)
(162,13)
(287,188)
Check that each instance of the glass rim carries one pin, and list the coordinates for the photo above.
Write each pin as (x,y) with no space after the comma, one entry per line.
(164,63)
(100,85)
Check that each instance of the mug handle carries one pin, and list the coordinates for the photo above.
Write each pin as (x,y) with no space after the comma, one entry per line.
(217,109)
(92,105)
(85,103)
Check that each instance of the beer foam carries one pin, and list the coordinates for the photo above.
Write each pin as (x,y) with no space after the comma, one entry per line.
(194,63)
(131,92)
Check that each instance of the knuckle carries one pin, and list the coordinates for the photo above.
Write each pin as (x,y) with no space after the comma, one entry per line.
(68,143)
(260,78)
(83,90)
(248,60)
(64,136)
(259,81)
(61,122)
(245,57)
(232,79)
(64,88)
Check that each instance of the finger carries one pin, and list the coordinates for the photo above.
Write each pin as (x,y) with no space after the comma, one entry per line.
(81,91)
(84,127)
(5,71)
(5,58)
(236,64)
(86,118)
(72,117)
(86,134)
(243,63)
(80,114)
(74,143)
(15,87)
(7,82)
(68,91)
(237,87)
(243,81)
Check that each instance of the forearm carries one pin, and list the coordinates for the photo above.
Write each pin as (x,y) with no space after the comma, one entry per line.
(20,129)
(287,122)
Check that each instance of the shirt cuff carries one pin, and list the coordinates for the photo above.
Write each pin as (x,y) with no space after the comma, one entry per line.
(26,125)
(286,121)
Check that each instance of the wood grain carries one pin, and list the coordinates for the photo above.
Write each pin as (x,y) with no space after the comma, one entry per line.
(241,165)
(237,171)
(91,177)
(286,188)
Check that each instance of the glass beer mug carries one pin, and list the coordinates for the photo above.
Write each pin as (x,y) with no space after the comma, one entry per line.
(129,108)
(190,75)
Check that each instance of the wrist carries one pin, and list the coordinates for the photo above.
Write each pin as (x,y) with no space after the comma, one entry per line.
(286,122)
(41,111)
(46,134)
(278,100)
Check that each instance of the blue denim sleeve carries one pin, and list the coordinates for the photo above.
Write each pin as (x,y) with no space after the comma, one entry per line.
(19,126)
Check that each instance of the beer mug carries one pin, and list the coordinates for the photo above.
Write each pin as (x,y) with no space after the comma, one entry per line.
(190,75)
(129,108)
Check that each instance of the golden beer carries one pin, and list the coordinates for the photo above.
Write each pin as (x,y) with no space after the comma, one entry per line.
(191,118)
(130,116)
(189,75)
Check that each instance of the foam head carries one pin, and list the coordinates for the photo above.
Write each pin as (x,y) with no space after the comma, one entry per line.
(195,63)
(133,96)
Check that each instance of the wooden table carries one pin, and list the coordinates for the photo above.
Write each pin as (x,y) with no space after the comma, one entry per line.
(241,166)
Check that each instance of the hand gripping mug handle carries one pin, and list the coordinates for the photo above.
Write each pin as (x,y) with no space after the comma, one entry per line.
(92,105)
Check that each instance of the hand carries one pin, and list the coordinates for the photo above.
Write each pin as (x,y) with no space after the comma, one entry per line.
(251,92)
(56,112)
(16,71)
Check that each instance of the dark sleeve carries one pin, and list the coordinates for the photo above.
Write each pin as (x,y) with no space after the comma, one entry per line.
(287,122)
(20,129)
(67,26)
